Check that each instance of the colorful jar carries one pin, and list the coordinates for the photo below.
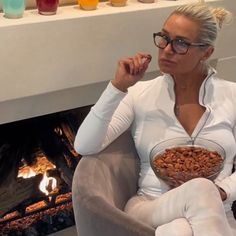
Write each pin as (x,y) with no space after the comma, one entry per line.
(118,3)
(47,7)
(148,1)
(88,4)
(13,8)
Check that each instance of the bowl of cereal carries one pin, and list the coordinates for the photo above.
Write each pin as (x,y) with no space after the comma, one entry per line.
(178,160)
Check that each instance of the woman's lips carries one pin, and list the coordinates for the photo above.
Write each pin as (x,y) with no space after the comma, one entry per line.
(166,62)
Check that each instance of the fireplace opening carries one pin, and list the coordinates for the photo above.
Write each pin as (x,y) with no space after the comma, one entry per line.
(37,162)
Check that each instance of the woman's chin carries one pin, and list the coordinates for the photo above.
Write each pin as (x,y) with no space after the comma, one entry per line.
(166,70)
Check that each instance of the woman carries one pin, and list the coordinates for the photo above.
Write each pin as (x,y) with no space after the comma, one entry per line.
(188,100)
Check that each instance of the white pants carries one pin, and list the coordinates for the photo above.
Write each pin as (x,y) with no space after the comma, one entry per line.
(193,209)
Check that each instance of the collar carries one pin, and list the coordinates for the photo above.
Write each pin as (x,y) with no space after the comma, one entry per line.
(211,72)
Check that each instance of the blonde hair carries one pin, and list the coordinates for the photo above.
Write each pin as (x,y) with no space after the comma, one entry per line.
(210,19)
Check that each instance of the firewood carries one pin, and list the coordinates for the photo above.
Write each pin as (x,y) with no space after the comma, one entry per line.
(16,191)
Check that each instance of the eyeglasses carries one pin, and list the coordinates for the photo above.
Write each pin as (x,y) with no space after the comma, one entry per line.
(178,45)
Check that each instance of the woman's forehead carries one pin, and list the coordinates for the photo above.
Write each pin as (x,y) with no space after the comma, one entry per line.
(181,26)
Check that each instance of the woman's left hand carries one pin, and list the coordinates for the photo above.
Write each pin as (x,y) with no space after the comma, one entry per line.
(222,193)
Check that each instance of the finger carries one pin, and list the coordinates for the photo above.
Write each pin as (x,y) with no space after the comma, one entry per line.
(128,65)
(131,66)
(141,62)
(147,58)
(139,57)
(137,64)
(145,64)
(145,55)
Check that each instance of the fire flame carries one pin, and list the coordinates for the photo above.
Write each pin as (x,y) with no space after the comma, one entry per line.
(27,173)
(48,184)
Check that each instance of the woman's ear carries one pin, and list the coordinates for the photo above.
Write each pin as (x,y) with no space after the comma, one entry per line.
(208,52)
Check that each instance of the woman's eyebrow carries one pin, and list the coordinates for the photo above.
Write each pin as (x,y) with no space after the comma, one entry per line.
(177,36)
(164,31)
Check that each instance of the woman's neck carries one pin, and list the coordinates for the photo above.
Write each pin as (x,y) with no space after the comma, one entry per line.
(190,81)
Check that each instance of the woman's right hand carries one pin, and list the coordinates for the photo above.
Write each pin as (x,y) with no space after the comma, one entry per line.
(130,71)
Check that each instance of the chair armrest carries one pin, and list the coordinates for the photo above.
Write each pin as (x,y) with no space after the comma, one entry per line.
(95,217)
(102,185)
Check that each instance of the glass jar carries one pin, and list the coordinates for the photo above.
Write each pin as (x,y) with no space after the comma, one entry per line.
(118,3)
(13,8)
(47,7)
(88,4)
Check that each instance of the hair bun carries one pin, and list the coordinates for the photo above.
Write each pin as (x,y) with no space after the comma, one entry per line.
(221,15)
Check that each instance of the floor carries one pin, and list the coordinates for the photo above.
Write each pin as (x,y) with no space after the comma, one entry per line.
(71,231)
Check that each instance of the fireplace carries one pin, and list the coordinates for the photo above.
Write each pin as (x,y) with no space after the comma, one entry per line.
(37,161)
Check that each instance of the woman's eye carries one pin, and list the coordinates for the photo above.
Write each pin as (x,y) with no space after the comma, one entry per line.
(181,42)
(165,37)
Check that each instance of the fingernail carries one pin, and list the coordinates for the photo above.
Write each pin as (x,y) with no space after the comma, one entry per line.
(144,60)
(149,57)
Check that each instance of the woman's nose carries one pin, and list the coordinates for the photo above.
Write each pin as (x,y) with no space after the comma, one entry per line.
(168,49)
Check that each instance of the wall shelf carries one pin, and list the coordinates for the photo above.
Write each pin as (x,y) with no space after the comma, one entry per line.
(104,8)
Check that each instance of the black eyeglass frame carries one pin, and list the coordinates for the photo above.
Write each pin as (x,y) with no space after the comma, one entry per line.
(171,42)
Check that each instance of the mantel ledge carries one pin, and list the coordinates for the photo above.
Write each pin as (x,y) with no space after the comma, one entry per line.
(104,8)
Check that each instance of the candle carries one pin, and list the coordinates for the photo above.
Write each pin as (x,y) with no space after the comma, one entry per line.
(47,7)
(13,8)
(88,4)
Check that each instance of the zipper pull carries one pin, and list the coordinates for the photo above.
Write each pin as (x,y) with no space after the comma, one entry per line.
(191,141)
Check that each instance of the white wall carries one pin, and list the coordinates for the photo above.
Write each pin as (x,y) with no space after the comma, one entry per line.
(225,47)
(54,63)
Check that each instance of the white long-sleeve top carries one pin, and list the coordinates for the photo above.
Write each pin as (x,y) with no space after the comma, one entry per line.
(148,109)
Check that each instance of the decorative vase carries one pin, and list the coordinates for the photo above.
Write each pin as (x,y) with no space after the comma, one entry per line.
(13,8)
(118,3)
(47,7)
(147,1)
(88,4)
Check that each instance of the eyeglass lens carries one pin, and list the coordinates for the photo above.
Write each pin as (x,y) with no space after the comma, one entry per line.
(177,45)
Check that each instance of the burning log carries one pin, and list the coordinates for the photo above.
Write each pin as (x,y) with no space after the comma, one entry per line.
(44,222)
(9,160)
(14,192)
(55,145)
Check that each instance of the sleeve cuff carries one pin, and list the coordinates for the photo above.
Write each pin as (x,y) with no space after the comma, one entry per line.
(111,87)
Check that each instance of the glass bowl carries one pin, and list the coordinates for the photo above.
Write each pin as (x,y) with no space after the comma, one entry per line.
(178,160)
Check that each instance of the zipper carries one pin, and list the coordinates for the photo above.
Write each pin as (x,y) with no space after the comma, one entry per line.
(192,139)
